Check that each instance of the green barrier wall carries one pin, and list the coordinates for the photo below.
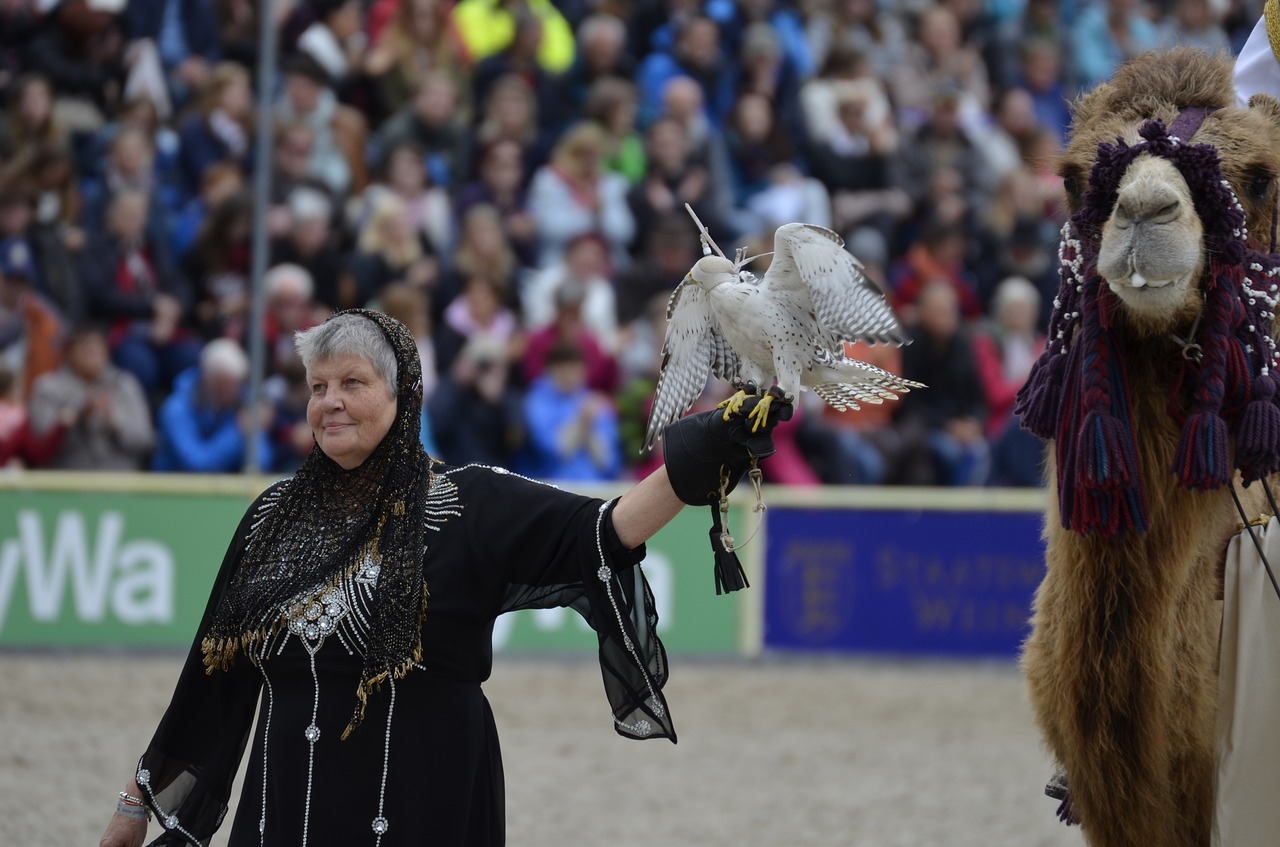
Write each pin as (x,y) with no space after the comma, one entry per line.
(128,561)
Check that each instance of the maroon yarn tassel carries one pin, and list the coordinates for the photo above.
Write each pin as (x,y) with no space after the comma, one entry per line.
(1039,401)
(1108,461)
(1258,437)
(1202,459)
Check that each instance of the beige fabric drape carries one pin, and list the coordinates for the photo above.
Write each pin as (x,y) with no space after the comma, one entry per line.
(1247,784)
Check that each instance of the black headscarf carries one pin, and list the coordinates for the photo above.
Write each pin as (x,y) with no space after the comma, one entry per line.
(326,522)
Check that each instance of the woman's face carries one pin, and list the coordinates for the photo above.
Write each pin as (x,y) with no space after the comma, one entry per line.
(485,235)
(351,409)
(36,104)
(423,16)
(510,110)
(503,168)
(396,228)
(236,99)
(405,171)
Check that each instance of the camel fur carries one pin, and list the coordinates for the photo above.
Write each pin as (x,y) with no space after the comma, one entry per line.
(1121,661)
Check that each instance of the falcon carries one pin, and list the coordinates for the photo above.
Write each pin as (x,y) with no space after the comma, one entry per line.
(783,332)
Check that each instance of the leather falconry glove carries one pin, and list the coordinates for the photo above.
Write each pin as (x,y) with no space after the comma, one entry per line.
(706,456)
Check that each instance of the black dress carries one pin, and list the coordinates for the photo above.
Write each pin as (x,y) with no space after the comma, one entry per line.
(424,768)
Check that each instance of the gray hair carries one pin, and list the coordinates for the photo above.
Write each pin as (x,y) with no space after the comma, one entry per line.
(349,335)
(224,357)
(1015,289)
(602,23)
(285,276)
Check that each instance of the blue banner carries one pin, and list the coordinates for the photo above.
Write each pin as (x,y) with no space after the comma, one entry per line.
(956,583)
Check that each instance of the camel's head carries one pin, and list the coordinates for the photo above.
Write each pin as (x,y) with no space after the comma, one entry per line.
(1151,243)
(1173,194)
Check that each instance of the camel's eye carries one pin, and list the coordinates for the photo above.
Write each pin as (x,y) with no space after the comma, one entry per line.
(1258,185)
(1074,186)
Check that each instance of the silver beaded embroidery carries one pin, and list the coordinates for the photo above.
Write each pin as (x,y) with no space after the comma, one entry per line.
(642,727)
(167,820)
(380,824)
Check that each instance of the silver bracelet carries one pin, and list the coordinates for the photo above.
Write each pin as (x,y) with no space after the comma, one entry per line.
(132,807)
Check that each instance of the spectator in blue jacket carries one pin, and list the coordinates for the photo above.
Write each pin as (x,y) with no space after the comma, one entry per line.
(202,426)
(1108,34)
(572,431)
(185,33)
(697,53)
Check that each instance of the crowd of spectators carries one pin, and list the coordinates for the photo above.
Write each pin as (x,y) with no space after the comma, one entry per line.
(508,177)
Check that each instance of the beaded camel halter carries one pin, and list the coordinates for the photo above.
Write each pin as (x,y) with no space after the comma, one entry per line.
(1078,392)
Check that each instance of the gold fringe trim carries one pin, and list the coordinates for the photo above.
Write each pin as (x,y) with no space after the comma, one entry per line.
(369,686)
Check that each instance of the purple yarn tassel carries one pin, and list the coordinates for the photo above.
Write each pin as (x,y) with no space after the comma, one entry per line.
(1258,437)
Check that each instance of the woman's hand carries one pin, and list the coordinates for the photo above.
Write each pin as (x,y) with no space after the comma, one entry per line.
(124,832)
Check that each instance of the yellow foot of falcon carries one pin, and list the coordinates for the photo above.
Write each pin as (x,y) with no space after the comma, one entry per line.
(733,404)
(760,414)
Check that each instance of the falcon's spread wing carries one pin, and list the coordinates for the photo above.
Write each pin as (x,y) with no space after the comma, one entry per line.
(811,262)
(692,348)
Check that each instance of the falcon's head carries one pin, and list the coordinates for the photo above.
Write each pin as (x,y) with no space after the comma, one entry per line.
(711,271)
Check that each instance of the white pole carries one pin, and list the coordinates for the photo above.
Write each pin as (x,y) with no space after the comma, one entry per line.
(261,244)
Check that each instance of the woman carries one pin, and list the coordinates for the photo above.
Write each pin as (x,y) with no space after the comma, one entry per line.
(30,121)
(427,208)
(418,39)
(222,129)
(390,248)
(130,284)
(218,267)
(509,112)
(358,597)
(483,249)
(574,194)
(500,184)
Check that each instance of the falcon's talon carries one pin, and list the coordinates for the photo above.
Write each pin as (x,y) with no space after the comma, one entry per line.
(760,414)
(733,404)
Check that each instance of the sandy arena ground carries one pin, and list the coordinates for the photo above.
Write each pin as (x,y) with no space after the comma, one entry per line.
(771,754)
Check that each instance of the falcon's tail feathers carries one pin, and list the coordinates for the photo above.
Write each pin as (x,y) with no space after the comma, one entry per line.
(869,384)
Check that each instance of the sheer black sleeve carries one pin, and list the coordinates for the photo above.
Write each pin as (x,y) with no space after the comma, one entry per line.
(556,548)
(187,771)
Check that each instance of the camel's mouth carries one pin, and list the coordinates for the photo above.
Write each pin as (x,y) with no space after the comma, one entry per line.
(1151,296)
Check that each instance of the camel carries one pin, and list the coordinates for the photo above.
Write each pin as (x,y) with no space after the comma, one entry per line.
(1157,396)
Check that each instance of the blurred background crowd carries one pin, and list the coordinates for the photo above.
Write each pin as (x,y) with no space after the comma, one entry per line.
(508,177)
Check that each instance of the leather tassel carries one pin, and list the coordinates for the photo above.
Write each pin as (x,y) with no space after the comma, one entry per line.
(730,575)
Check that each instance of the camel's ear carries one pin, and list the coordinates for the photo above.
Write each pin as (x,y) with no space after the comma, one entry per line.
(1090,104)
(1268,106)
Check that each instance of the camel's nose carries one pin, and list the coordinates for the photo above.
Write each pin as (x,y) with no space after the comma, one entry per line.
(1157,204)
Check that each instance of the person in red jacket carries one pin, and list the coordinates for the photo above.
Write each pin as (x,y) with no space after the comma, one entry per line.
(20,446)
